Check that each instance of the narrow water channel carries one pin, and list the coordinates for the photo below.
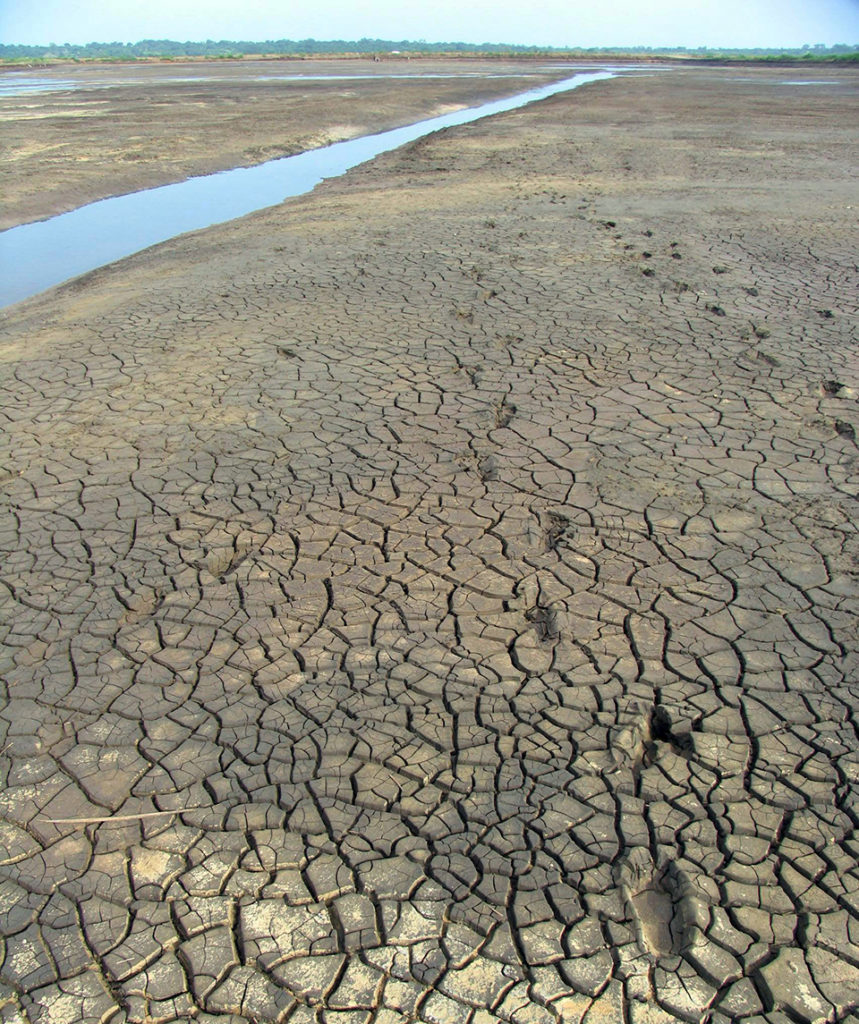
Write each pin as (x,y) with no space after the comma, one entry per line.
(26,85)
(35,257)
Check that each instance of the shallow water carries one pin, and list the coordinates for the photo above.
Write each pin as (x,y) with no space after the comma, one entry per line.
(22,85)
(34,257)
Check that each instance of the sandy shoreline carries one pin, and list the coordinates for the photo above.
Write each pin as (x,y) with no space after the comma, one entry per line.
(466,553)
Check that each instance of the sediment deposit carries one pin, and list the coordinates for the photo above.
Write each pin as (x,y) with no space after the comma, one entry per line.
(434,599)
(105,130)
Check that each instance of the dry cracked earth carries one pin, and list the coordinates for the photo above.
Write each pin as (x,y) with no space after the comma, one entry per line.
(435,599)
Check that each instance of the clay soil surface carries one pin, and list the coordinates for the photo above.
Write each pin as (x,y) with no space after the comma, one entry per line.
(435,598)
(110,129)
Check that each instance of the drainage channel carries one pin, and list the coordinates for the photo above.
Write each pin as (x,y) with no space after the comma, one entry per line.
(37,256)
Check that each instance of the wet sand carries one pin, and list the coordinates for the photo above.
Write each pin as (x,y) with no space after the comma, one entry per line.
(434,599)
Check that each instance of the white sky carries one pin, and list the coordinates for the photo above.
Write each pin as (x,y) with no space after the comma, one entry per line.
(551,22)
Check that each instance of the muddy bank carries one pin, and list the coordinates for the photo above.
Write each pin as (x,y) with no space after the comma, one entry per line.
(434,599)
(115,129)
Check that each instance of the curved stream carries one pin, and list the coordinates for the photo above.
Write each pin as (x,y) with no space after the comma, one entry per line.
(34,257)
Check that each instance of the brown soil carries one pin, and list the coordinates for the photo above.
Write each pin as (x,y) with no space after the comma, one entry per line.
(434,599)
(129,127)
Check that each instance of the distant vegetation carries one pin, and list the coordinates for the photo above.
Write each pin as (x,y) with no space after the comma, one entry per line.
(169,48)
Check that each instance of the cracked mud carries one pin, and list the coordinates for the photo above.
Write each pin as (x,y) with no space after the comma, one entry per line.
(435,599)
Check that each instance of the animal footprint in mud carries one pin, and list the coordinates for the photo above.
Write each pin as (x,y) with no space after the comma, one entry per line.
(554,526)
(488,469)
(222,562)
(545,622)
(504,413)
(650,903)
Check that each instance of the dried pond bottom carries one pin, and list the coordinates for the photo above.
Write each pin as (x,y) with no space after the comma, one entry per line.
(418,613)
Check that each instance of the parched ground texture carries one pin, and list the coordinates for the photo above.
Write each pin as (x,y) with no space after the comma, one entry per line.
(434,599)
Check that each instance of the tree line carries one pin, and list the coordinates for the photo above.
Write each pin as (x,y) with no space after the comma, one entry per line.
(224,48)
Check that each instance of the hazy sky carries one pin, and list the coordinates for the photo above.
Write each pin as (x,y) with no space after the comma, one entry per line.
(553,22)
